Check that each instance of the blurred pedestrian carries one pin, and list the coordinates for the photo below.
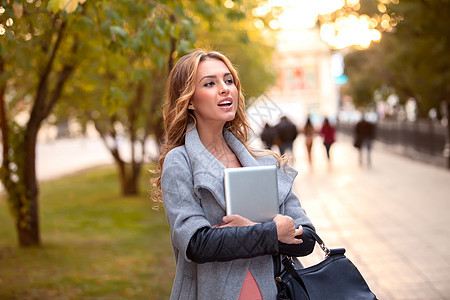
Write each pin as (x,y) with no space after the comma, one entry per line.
(287,133)
(328,132)
(269,136)
(309,131)
(364,135)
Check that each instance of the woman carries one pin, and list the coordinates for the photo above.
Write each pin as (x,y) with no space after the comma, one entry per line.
(328,132)
(218,256)
(309,132)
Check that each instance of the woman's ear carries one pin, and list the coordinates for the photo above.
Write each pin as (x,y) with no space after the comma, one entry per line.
(191,106)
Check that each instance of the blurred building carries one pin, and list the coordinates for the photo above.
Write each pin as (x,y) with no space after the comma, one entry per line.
(306,73)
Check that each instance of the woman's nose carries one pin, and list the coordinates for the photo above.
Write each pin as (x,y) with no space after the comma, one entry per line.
(224,89)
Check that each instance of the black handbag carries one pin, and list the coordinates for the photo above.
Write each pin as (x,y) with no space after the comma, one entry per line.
(336,277)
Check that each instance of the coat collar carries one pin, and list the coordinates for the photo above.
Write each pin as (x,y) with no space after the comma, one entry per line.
(208,171)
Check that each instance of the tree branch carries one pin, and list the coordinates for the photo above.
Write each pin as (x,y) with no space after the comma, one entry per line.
(63,75)
(38,110)
(104,134)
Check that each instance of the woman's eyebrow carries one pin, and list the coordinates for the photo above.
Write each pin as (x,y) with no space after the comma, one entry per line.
(214,76)
(208,76)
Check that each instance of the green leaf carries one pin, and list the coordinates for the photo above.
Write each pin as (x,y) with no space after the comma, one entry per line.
(113,15)
(186,24)
(87,22)
(179,10)
(105,27)
(136,44)
(166,45)
(139,75)
(160,30)
(184,46)
(156,41)
(117,94)
(117,30)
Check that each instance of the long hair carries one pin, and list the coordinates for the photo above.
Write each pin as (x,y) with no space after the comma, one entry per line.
(179,91)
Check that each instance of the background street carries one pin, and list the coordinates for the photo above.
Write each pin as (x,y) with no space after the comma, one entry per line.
(392,218)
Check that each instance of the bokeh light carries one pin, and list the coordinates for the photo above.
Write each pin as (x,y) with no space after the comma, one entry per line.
(347,30)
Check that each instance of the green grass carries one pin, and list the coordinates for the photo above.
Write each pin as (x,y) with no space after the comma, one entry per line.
(96,244)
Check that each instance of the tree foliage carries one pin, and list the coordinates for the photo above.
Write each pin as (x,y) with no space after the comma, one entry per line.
(129,109)
(412,60)
(419,58)
(105,62)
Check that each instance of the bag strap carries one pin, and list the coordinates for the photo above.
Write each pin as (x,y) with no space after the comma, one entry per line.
(318,240)
(277,258)
(289,265)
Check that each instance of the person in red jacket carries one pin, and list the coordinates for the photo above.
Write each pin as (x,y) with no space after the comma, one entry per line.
(328,133)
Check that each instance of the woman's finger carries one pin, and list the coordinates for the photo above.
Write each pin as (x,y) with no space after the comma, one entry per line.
(297,241)
(298,231)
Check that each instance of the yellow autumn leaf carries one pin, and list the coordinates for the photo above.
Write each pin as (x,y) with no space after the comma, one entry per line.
(67,5)
(70,5)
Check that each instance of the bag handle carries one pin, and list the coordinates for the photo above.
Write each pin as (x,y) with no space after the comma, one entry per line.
(278,261)
(318,240)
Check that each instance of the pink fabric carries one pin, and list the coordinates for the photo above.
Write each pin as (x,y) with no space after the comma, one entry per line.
(250,289)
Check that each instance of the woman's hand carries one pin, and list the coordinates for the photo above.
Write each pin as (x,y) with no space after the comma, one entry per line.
(235,221)
(286,230)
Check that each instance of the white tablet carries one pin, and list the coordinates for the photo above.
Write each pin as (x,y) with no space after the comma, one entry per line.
(252,192)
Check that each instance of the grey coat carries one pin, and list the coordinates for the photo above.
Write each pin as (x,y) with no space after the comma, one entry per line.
(193,197)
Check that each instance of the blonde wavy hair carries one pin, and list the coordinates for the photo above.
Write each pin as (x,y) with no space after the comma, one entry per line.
(179,91)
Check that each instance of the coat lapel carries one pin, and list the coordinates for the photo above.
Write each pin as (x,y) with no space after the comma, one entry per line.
(208,172)
(206,169)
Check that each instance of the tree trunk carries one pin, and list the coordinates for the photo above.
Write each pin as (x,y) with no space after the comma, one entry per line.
(128,173)
(27,222)
(26,199)
(129,177)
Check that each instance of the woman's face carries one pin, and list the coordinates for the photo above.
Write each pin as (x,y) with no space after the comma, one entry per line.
(216,97)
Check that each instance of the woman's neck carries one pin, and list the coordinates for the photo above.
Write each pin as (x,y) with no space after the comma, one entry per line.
(213,140)
(211,134)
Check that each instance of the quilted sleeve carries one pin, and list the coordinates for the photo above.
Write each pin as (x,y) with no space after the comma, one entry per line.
(303,249)
(229,243)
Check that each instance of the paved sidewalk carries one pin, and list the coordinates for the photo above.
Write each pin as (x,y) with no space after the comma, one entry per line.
(392,218)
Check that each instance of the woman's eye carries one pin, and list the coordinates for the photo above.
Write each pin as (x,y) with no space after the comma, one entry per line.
(229,81)
(211,83)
